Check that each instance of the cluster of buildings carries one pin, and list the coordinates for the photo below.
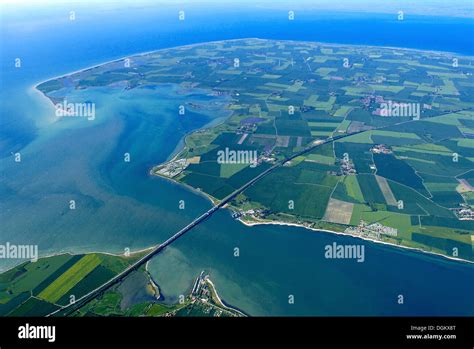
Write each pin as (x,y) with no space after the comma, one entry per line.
(465,212)
(253,213)
(266,157)
(246,128)
(171,169)
(202,293)
(205,294)
(373,230)
(367,100)
(346,167)
(380,149)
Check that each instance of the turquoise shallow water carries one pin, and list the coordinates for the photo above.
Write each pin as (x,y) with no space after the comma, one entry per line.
(119,205)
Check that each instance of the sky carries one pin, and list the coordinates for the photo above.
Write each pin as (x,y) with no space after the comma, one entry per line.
(455,8)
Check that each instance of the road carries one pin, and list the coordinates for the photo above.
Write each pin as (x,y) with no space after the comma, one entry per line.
(67,309)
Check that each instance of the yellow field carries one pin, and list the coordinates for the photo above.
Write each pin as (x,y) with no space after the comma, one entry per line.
(70,278)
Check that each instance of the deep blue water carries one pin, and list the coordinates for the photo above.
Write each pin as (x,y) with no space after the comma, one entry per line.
(121,206)
(275,262)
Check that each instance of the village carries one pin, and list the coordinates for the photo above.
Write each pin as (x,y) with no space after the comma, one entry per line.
(373,231)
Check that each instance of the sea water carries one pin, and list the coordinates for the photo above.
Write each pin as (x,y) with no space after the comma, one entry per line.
(119,205)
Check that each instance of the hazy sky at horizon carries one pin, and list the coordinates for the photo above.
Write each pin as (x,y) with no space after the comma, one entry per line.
(286,3)
(461,8)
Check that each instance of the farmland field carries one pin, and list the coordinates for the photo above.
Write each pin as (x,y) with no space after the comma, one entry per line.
(408,169)
(37,288)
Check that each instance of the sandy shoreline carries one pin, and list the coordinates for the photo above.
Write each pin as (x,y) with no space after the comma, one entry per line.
(250,224)
(212,199)
(59,253)
(222,303)
(153,283)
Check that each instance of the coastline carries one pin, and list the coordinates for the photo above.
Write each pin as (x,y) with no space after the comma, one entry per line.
(60,253)
(282,223)
(415,249)
(181,145)
(139,54)
(223,304)
(154,283)
(212,199)
(183,141)
(43,98)
(250,224)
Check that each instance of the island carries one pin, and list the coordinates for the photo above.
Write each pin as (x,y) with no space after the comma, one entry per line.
(373,142)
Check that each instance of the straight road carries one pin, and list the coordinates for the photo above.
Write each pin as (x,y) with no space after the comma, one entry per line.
(67,309)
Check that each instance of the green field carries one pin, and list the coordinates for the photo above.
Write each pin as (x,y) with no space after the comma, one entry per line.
(35,288)
(353,189)
(297,93)
(70,278)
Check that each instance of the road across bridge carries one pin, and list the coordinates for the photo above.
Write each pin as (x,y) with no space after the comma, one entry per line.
(67,309)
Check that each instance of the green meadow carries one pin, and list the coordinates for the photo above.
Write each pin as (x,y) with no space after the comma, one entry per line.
(295,93)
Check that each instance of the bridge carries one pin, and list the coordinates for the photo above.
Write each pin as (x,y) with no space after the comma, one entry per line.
(68,309)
